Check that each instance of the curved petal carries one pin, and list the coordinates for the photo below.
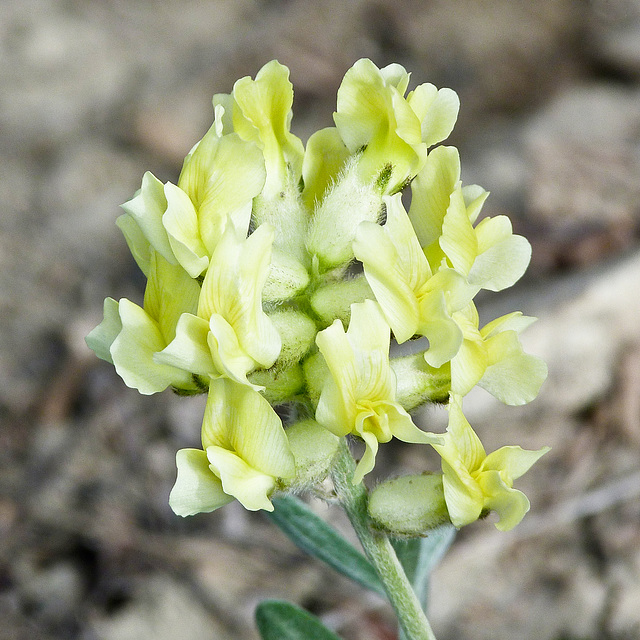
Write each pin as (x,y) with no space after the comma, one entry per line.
(228,356)
(512,462)
(239,419)
(502,257)
(512,376)
(189,350)
(211,179)
(181,223)
(444,335)
(368,460)
(324,158)
(461,493)
(250,487)
(437,111)
(169,293)
(101,338)
(136,241)
(147,208)
(263,114)
(431,193)
(376,251)
(510,504)
(133,353)
(458,239)
(197,489)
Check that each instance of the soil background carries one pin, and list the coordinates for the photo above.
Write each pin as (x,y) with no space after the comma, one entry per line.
(94,93)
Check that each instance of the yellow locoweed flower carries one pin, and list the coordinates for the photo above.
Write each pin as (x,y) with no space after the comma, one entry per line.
(130,336)
(476,483)
(244,451)
(230,335)
(359,394)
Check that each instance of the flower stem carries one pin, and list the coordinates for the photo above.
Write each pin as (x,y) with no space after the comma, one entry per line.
(376,545)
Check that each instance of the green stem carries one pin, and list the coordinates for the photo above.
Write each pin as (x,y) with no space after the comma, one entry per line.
(376,545)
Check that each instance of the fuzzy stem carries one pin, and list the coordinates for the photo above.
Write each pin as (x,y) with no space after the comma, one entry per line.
(376,545)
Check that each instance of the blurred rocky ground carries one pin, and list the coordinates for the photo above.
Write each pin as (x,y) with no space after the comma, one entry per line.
(92,94)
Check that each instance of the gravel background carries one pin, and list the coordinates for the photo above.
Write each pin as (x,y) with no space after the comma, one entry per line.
(94,93)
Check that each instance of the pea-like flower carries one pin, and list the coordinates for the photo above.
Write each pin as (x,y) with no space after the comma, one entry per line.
(443,212)
(393,132)
(414,301)
(493,358)
(230,335)
(476,483)
(244,452)
(359,394)
(259,111)
(129,335)
(184,222)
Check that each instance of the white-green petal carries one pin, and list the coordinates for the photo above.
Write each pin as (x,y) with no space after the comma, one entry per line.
(169,293)
(468,366)
(133,353)
(229,358)
(411,258)
(337,351)
(226,174)
(437,111)
(368,331)
(256,432)
(181,222)
(431,193)
(101,338)
(510,504)
(324,158)
(458,239)
(444,335)
(147,208)
(502,257)
(463,438)
(513,321)
(189,350)
(197,489)
(137,242)
(368,460)
(463,496)
(512,462)
(332,412)
(474,198)
(512,376)
(374,248)
(245,443)
(249,486)
(263,114)
(403,428)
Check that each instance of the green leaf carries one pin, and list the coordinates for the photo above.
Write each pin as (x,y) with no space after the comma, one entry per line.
(315,537)
(419,556)
(280,620)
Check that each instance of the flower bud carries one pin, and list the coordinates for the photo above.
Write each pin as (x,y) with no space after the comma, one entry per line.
(279,385)
(418,382)
(297,332)
(409,506)
(335,299)
(313,449)
(287,278)
(333,227)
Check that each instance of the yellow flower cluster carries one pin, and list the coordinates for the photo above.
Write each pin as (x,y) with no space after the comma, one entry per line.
(277,273)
